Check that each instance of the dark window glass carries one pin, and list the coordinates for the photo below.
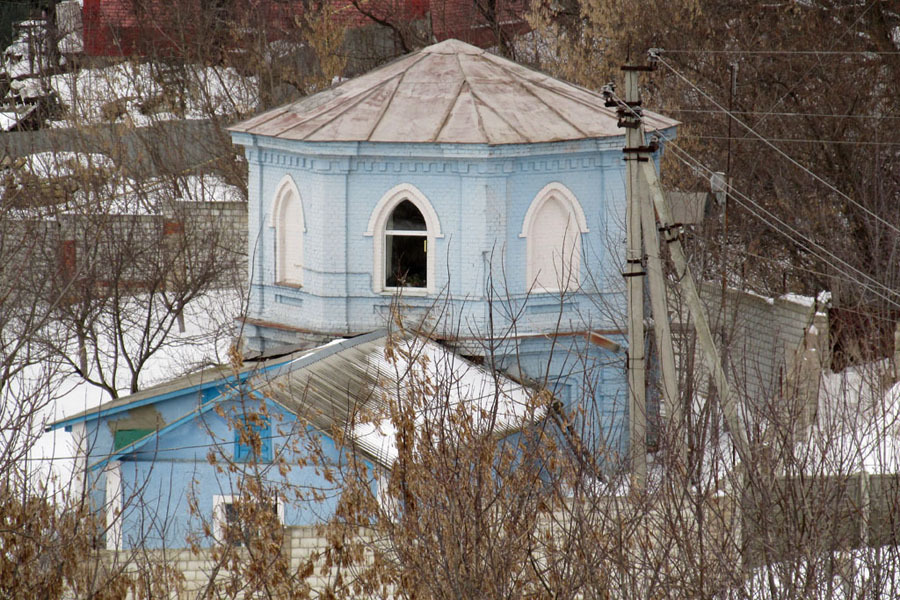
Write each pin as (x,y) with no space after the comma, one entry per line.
(406,217)
(406,260)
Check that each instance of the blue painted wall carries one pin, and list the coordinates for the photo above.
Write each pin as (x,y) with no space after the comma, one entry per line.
(161,478)
(481,195)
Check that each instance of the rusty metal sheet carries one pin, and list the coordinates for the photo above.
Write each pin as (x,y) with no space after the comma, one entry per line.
(354,122)
(450,92)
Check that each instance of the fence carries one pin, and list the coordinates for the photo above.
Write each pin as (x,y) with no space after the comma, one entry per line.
(798,517)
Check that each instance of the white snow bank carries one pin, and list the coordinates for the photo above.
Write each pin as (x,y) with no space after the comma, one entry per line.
(858,424)
(449,383)
(209,330)
(65,164)
(141,94)
(799,299)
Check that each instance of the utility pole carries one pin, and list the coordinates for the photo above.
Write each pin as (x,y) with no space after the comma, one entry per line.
(630,118)
(672,233)
(645,197)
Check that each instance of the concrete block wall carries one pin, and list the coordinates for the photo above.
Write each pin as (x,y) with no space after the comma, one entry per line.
(218,227)
(194,572)
(765,338)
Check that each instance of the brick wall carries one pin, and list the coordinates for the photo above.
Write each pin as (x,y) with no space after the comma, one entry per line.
(125,27)
(192,572)
(71,239)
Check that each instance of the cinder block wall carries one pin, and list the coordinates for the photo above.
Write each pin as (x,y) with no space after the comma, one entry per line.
(191,573)
(763,338)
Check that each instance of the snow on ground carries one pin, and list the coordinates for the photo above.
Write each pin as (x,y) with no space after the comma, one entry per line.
(64,164)
(859,573)
(858,423)
(23,57)
(100,189)
(152,196)
(210,329)
(140,93)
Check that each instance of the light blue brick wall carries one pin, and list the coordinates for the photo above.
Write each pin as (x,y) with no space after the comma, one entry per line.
(481,195)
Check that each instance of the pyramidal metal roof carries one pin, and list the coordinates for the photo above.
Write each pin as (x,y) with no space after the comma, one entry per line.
(450,92)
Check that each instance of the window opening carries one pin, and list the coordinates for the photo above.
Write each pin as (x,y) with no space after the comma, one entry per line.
(406,247)
(243,520)
(253,440)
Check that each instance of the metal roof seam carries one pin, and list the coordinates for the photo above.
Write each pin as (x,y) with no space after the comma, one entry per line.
(494,105)
(344,107)
(387,104)
(449,111)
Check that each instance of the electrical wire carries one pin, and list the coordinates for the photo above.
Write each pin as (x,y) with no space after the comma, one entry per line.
(791,140)
(863,53)
(831,47)
(782,228)
(767,217)
(776,148)
(786,114)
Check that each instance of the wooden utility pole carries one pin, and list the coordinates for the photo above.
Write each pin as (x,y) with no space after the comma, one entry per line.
(663,331)
(695,306)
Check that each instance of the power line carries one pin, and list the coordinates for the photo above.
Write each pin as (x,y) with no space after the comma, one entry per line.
(863,53)
(785,114)
(793,140)
(831,47)
(793,234)
(776,148)
(781,264)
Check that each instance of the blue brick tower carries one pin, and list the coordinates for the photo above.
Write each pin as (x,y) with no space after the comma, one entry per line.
(484,198)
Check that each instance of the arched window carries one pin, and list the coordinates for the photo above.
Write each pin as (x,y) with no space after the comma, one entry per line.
(404,226)
(406,248)
(553,226)
(287,219)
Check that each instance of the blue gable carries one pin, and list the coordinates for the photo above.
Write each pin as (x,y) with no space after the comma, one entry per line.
(169,478)
(176,480)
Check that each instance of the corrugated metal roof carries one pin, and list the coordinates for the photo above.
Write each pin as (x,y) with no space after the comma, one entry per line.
(450,92)
(345,391)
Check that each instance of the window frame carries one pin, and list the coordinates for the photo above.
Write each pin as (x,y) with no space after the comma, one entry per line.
(558,191)
(220,514)
(114,500)
(244,453)
(285,192)
(377,229)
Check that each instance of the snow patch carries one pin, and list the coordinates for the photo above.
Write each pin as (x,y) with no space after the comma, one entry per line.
(799,299)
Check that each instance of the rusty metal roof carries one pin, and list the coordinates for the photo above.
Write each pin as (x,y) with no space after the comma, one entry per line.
(449,92)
